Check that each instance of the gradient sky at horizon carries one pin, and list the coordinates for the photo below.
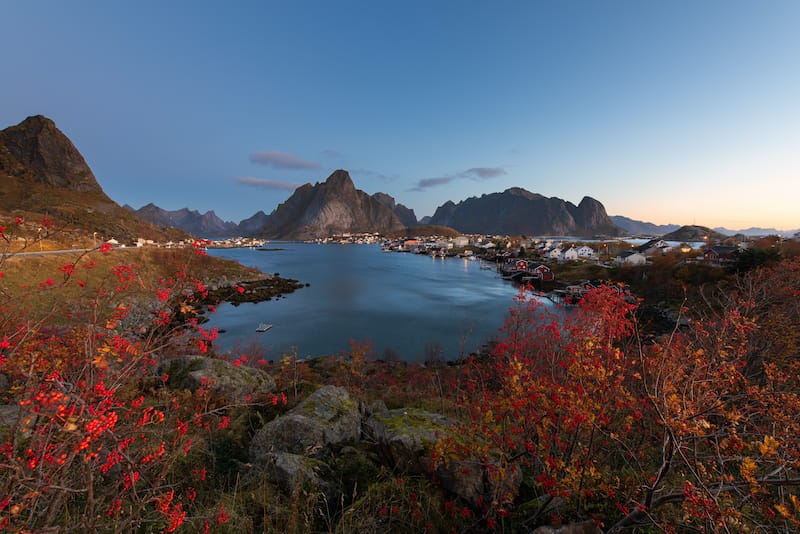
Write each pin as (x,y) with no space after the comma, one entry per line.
(680,112)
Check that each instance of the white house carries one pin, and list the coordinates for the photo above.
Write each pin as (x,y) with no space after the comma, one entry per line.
(586,252)
(630,258)
(461,241)
(554,253)
(569,255)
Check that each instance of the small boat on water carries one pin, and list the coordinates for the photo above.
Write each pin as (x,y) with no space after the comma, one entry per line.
(263,327)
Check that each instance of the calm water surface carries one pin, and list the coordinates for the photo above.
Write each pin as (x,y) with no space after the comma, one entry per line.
(404,304)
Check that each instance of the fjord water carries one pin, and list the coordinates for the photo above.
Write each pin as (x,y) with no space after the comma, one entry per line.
(408,306)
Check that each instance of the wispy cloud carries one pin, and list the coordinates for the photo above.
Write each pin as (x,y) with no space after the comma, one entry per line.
(483,173)
(475,174)
(425,183)
(331,153)
(266,183)
(281,160)
(366,173)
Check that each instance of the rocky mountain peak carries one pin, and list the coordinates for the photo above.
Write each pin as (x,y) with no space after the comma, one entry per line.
(520,212)
(42,172)
(340,180)
(590,213)
(39,146)
(332,207)
(520,192)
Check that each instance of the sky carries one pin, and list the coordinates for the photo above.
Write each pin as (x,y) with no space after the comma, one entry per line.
(680,111)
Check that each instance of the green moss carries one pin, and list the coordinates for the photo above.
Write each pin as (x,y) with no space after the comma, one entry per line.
(413,421)
(318,407)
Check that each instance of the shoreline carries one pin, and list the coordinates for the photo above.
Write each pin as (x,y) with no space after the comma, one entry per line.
(258,290)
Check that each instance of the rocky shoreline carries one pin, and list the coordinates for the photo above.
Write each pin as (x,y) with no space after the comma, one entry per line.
(259,290)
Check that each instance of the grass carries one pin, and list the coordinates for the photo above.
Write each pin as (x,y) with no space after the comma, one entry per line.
(42,283)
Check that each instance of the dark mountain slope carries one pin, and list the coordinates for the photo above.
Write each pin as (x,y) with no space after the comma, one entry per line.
(516,211)
(328,208)
(42,173)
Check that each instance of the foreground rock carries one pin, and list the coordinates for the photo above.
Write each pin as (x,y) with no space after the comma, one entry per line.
(219,376)
(323,423)
(404,439)
(290,472)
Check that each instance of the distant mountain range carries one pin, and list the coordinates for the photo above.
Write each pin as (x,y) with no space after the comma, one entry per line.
(191,221)
(634,227)
(43,174)
(752,232)
(516,211)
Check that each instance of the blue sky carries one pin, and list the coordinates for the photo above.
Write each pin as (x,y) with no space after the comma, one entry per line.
(683,111)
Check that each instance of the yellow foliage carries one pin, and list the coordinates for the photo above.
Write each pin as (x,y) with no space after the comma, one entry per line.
(769,447)
(748,469)
(783,510)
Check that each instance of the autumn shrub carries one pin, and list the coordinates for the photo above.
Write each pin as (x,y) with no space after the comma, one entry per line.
(698,431)
(91,438)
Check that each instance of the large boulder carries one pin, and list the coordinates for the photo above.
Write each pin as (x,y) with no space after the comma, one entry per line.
(405,437)
(222,377)
(291,472)
(322,423)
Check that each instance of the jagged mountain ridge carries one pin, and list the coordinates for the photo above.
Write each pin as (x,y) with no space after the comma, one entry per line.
(405,214)
(516,211)
(43,173)
(332,207)
(206,224)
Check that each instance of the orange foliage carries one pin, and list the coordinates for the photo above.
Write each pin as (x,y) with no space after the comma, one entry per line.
(700,430)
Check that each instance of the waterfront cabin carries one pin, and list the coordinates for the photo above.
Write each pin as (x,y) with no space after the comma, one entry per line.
(541,272)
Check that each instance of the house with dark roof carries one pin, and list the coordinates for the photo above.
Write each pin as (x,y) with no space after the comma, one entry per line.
(653,247)
(721,255)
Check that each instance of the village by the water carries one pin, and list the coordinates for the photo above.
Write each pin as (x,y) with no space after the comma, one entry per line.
(535,261)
